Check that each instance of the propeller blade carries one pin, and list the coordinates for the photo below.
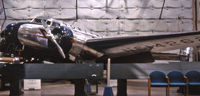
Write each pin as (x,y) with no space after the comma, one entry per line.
(60,50)
(51,37)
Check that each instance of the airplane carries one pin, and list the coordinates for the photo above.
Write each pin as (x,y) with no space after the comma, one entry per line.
(48,39)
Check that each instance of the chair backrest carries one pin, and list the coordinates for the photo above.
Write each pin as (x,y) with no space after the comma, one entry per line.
(158,76)
(175,76)
(193,76)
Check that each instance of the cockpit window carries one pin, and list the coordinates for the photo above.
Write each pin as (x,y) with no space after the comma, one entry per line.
(55,24)
(37,20)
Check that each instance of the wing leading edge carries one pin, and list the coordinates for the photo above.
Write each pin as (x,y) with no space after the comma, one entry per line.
(124,46)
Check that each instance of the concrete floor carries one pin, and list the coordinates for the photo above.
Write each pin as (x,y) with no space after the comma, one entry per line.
(59,88)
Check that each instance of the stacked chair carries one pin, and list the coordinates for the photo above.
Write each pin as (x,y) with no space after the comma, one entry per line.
(174,78)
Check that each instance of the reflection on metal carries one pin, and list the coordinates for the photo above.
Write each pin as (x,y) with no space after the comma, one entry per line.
(11,60)
(31,35)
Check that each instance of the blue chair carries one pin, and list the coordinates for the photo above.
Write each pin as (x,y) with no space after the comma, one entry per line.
(193,79)
(177,79)
(158,79)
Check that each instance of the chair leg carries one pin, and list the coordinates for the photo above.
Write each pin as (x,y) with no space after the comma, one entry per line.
(186,90)
(149,87)
(167,91)
(149,91)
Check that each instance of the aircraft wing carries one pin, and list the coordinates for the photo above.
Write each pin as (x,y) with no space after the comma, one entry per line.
(125,46)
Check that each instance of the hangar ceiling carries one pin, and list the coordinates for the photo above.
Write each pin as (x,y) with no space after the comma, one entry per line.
(107,17)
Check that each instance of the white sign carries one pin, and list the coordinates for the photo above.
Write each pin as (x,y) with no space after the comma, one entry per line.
(32,84)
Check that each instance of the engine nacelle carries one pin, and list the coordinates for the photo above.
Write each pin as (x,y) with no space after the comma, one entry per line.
(9,39)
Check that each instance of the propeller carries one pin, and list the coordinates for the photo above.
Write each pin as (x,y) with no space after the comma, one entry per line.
(51,37)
